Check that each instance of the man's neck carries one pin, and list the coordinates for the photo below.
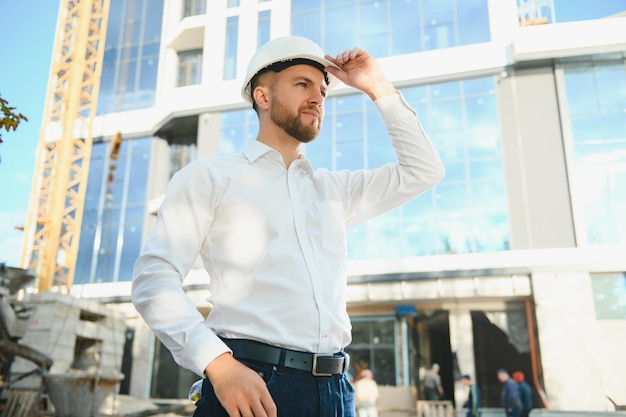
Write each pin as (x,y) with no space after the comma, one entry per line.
(288,147)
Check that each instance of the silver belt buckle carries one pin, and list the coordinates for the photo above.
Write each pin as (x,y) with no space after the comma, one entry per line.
(315,357)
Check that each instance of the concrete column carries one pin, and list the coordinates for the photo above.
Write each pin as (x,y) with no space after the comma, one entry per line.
(143,359)
(568,335)
(208,134)
(537,185)
(462,344)
(403,377)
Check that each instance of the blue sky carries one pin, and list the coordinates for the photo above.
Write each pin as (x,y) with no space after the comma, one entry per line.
(28,36)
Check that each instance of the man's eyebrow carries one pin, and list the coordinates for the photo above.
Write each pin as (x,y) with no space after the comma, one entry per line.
(307,80)
(324,86)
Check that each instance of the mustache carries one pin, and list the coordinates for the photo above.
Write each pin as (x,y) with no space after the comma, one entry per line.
(314,109)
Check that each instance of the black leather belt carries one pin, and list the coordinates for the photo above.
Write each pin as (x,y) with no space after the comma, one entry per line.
(319,364)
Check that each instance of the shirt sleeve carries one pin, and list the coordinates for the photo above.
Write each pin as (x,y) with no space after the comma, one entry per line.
(181,226)
(418,167)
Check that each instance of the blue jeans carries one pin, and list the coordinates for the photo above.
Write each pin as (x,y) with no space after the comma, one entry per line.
(295,392)
(515,412)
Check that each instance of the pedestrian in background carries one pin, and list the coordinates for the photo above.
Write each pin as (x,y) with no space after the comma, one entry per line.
(525,393)
(366,390)
(473,397)
(433,390)
(271,233)
(510,394)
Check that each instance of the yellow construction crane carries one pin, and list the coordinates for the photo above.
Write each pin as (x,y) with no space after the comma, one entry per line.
(53,226)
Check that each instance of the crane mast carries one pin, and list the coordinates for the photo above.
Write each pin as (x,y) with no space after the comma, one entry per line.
(53,226)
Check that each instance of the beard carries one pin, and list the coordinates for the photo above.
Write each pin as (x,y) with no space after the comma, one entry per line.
(292,124)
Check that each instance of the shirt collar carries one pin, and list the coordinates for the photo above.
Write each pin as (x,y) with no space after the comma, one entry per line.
(254,150)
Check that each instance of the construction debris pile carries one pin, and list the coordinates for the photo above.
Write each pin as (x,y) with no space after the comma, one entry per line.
(57,347)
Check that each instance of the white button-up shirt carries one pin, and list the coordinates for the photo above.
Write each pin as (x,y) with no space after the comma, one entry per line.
(273,241)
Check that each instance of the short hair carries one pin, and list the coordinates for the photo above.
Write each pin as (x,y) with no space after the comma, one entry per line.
(466,376)
(518,376)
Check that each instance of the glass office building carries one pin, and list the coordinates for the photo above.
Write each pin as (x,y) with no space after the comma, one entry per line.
(525,234)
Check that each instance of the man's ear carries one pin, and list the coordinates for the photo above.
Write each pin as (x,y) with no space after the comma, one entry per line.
(261,96)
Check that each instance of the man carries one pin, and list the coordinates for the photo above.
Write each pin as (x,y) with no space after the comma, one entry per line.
(473,398)
(433,390)
(366,390)
(271,233)
(510,394)
(525,393)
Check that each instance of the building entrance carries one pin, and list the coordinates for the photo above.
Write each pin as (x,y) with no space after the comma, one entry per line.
(492,339)
(429,343)
(501,340)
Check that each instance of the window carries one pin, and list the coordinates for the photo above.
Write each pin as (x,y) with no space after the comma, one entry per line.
(533,12)
(558,11)
(131,56)
(265,18)
(374,346)
(232,3)
(181,155)
(194,7)
(609,294)
(467,212)
(189,67)
(230,58)
(236,128)
(596,103)
(114,211)
(390,27)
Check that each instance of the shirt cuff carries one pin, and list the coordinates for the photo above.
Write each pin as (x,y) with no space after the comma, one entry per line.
(394,107)
(202,350)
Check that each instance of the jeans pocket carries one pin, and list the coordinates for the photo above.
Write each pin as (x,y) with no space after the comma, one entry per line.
(201,404)
(264,370)
(208,405)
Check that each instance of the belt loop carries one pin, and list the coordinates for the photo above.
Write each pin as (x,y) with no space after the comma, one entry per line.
(281,362)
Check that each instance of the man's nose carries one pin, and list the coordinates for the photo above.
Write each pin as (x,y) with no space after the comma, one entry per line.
(317,97)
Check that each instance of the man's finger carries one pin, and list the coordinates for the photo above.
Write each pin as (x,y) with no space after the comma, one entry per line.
(269,405)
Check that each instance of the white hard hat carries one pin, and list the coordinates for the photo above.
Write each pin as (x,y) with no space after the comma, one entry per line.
(285,49)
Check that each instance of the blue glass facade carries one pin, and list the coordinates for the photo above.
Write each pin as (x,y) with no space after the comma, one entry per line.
(466,212)
(236,128)
(112,226)
(576,10)
(230,54)
(131,55)
(265,23)
(114,212)
(609,294)
(388,27)
(596,102)
(561,11)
